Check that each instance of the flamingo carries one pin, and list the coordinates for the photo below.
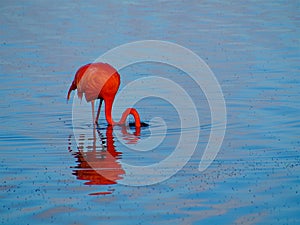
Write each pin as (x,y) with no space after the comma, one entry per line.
(101,81)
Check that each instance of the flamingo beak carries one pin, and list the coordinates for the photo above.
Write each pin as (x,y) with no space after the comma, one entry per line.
(72,87)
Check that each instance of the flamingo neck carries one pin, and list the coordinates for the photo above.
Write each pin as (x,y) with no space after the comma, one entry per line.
(134,113)
(108,109)
(126,113)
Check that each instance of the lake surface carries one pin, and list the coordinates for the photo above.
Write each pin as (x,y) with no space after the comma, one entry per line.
(252,48)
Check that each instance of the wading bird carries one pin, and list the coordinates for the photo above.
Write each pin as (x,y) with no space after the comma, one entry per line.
(101,81)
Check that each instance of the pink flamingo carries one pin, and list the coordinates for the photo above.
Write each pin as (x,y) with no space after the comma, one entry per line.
(101,81)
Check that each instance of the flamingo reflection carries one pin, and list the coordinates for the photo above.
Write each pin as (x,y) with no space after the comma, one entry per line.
(97,157)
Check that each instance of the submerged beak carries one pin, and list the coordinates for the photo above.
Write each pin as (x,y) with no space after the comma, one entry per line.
(72,87)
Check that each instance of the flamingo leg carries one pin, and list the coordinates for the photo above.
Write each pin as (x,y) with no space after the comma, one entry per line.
(98,113)
(93,111)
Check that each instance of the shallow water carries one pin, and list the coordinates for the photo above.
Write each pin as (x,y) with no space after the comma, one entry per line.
(252,48)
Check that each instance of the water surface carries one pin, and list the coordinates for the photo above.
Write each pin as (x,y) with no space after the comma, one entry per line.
(252,48)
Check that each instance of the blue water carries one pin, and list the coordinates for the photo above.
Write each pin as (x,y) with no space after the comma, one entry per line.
(252,47)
